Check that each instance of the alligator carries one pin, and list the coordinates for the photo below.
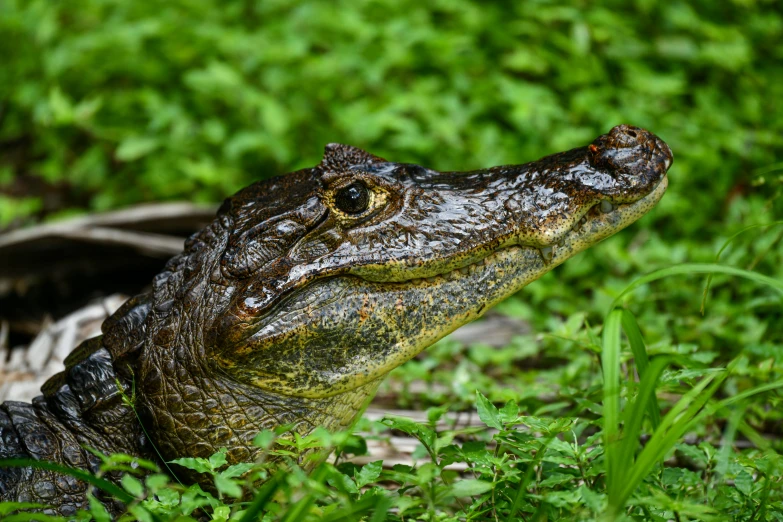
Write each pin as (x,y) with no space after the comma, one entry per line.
(305,291)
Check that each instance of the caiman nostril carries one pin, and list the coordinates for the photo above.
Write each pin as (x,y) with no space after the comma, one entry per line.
(631,151)
(629,135)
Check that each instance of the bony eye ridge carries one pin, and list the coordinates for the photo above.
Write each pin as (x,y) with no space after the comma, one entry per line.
(353,198)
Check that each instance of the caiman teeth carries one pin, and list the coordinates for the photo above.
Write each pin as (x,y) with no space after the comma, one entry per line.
(575,228)
(547,253)
(606,207)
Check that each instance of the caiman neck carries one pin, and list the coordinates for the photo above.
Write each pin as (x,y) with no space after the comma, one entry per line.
(193,413)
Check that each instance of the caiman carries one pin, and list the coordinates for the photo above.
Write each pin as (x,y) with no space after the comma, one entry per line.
(306,290)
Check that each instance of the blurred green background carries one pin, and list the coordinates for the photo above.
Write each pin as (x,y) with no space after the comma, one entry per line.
(107,103)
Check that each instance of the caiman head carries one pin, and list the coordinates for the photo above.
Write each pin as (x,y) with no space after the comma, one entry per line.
(310,287)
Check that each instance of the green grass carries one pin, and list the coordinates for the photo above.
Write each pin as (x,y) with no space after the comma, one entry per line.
(649,434)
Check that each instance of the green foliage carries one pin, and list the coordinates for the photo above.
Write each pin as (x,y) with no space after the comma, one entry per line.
(107,103)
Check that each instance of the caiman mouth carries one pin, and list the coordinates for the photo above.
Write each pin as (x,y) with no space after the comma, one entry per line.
(598,222)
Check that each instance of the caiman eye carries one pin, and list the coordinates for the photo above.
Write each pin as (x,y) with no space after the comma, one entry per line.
(353,199)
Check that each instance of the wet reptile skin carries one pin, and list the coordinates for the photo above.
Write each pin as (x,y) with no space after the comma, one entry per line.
(310,287)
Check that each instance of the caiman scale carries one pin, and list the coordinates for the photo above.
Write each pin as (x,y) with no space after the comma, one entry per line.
(306,290)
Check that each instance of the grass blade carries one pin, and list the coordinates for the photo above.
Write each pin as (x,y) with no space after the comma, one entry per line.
(698,268)
(634,412)
(731,238)
(354,510)
(610,358)
(33,517)
(298,510)
(635,339)
(728,438)
(102,484)
(747,393)
(672,428)
(262,497)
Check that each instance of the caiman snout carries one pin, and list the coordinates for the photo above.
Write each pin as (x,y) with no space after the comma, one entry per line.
(631,150)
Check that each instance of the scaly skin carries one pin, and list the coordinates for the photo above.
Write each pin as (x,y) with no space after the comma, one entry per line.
(303,294)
